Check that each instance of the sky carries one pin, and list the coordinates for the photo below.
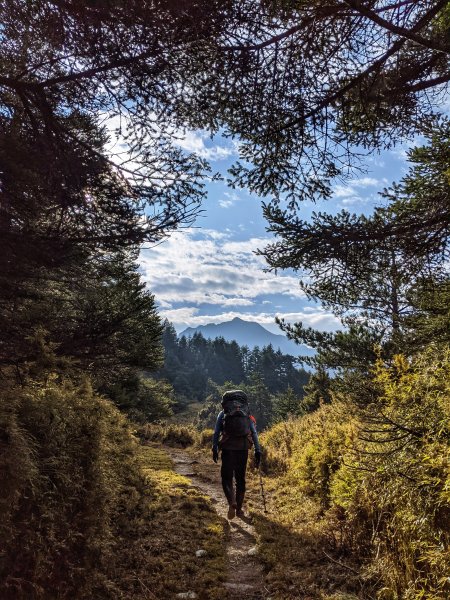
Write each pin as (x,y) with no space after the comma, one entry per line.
(209,273)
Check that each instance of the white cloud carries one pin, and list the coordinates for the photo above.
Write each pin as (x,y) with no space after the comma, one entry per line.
(216,235)
(164,304)
(211,269)
(180,315)
(230,200)
(354,192)
(189,317)
(365,182)
(223,300)
(317,318)
(342,191)
(225,203)
(351,200)
(400,153)
(195,141)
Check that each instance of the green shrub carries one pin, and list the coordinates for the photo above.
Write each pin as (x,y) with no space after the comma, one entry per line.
(310,449)
(171,434)
(397,486)
(70,484)
(369,484)
(205,438)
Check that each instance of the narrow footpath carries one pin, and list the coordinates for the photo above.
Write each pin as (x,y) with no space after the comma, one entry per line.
(244,574)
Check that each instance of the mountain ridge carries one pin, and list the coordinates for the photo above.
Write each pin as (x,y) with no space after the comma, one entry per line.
(248,333)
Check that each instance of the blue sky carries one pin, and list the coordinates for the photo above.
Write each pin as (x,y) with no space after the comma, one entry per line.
(209,272)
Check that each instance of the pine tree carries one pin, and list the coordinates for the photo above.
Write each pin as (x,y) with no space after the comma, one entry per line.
(287,405)
(378,261)
(261,401)
(317,391)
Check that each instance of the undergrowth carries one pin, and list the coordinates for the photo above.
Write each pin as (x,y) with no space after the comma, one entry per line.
(299,537)
(359,498)
(71,487)
(175,434)
(86,512)
(171,434)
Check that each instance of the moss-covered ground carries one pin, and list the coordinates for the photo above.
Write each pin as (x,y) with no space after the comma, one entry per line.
(183,520)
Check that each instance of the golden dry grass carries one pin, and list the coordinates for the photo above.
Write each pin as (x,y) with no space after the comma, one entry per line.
(182,521)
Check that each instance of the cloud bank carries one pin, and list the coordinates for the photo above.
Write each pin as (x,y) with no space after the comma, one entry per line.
(209,268)
(319,319)
(206,276)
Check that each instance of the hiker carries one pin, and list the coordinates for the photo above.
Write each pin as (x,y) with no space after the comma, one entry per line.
(236,429)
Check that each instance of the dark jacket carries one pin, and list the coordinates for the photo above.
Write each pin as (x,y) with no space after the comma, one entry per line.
(234,444)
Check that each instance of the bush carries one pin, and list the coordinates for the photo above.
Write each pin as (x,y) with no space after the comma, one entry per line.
(205,438)
(171,434)
(397,487)
(70,483)
(310,449)
(379,477)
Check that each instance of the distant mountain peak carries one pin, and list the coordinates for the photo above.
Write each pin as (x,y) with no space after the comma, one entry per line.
(248,333)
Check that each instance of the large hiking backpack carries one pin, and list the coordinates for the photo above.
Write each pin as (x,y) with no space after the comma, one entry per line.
(236,410)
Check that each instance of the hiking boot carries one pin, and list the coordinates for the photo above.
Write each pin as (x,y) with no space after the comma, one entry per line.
(246,518)
(231,511)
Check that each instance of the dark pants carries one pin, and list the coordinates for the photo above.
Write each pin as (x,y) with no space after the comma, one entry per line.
(234,463)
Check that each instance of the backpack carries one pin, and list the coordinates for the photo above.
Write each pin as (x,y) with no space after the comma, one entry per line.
(236,410)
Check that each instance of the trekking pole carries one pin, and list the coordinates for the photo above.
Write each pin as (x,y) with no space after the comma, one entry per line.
(263,495)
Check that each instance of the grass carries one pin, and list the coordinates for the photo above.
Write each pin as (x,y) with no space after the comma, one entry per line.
(293,545)
(182,521)
(170,434)
(188,415)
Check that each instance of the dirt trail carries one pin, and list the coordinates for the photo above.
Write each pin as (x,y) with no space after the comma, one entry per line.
(244,577)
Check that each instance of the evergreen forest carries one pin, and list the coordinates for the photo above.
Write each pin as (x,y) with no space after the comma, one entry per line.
(197,368)
(108,489)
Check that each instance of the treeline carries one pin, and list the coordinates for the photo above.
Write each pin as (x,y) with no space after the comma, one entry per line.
(193,364)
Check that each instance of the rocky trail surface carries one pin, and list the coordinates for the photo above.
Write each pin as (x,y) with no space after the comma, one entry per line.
(244,571)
